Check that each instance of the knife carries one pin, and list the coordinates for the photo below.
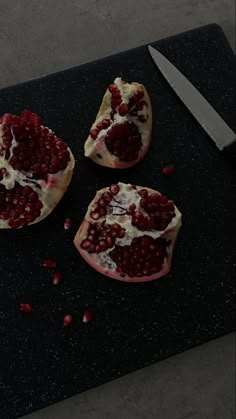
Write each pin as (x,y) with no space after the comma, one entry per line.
(223,136)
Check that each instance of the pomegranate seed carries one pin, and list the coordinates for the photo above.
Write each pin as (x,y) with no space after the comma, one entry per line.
(140,94)
(56,278)
(29,208)
(105,123)
(26,308)
(49,264)
(132,208)
(67,224)
(168,170)
(67,320)
(95,215)
(107,197)
(33,197)
(163,199)
(7,117)
(140,105)
(114,189)
(87,316)
(94,133)
(143,193)
(112,88)
(123,109)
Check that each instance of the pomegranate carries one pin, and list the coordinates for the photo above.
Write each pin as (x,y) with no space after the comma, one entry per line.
(35,170)
(129,233)
(121,134)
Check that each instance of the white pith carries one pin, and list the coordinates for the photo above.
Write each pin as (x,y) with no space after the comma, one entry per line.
(49,192)
(127,91)
(127,196)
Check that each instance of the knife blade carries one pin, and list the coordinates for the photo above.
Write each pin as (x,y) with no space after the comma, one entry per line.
(223,136)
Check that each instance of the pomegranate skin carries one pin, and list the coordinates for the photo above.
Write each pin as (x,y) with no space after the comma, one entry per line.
(102,261)
(96,147)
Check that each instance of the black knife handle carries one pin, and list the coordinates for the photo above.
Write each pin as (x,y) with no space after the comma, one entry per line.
(230,153)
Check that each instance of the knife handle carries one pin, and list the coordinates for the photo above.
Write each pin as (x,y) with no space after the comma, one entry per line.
(230,153)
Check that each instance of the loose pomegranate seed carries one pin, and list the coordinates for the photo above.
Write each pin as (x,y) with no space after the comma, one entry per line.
(49,264)
(168,170)
(26,308)
(56,278)
(67,224)
(87,316)
(67,320)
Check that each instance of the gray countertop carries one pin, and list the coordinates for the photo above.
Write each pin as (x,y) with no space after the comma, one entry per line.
(41,37)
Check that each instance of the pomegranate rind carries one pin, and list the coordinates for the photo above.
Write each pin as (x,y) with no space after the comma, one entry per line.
(170,233)
(97,151)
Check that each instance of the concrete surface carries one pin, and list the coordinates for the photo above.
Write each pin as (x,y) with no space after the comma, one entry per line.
(197,384)
(40,37)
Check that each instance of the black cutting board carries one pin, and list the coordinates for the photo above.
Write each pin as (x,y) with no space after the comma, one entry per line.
(133,325)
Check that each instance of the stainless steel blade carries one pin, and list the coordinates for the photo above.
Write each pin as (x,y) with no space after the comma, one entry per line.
(201,109)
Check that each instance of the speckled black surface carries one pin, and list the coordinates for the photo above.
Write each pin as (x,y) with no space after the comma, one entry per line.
(134,325)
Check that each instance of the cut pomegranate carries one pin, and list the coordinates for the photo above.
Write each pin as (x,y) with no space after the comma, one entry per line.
(133,234)
(121,133)
(35,170)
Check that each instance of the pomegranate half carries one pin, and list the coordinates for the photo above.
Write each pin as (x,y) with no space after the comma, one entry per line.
(36,168)
(129,233)
(121,134)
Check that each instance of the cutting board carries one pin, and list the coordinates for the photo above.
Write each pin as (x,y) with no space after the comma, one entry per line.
(133,325)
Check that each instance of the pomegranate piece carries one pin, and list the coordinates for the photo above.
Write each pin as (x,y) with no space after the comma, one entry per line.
(36,168)
(121,133)
(133,234)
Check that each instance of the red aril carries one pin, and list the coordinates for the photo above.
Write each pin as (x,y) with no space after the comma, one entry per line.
(26,308)
(133,234)
(35,170)
(121,134)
